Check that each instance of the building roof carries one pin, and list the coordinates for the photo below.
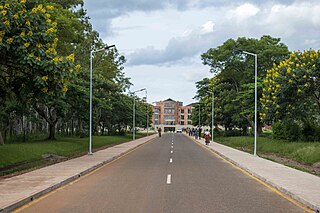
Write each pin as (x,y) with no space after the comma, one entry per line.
(169,99)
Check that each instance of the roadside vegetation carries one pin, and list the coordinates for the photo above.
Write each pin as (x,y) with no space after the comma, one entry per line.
(303,152)
(288,99)
(17,157)
(45,73)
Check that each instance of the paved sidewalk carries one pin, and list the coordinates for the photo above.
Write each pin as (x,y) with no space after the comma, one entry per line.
(301,186)
(21,189)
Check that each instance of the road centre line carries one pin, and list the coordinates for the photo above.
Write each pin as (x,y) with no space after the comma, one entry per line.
(169,179)
(171,147)
(171,160)
(171,151)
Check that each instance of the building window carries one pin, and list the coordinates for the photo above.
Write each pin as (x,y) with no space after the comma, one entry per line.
(189,111)
(168,117)
(168,105)
(169,123)
(189,122)
(189,117)
(181,122)
(156,122)
(156,110)
(182,111)
(169,111)
(182,117)
(156,116)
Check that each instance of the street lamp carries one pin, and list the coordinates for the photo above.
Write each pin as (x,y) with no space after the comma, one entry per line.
(134,113)
(255,96)
(147,113)
(212,115)
(199,114)
(90,130)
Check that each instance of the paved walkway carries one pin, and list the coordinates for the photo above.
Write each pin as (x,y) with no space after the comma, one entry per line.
(21,189)
(301,186)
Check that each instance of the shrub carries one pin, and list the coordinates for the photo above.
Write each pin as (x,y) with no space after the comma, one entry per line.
(278,130)
(233,132)
(83,133)
(311,131)
(292,131)
(289,130)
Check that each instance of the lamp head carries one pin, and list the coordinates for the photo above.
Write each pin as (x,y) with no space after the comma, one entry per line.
(236,50)
(108,47)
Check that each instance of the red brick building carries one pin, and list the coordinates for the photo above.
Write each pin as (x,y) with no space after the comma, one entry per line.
(171,115)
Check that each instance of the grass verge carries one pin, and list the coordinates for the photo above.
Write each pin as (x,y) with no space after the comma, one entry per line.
(17,157)
(303,152)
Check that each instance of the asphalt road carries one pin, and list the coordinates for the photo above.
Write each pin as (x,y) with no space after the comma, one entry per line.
(152,179)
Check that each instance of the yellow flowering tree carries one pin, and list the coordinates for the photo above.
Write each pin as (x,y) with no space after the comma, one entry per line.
(29,62)
(292,88)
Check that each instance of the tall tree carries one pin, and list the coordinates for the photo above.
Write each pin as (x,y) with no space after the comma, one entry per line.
(292,88)
(235,74)
(28,42)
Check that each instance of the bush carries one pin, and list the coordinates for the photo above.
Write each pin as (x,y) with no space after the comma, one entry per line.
(233,132)
(289,130)
(83,133)
(278,131)
(292,131)
(311,131)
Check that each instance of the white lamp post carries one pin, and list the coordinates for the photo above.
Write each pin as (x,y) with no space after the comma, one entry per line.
(90,130)
(147,112)
(255,97)
(199,114)
(212,115)
(134,113)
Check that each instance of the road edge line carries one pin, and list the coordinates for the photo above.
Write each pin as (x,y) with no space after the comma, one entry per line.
(34,198)
(303,204)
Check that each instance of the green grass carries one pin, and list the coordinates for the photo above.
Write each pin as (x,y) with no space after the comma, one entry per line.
(304,152)
(31,152)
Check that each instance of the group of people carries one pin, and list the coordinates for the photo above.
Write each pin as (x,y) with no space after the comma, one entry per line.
(196,132)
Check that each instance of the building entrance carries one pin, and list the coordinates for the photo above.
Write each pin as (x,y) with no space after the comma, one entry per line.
(169,129)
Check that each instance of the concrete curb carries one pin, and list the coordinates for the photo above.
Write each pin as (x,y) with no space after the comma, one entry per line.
(274,185)
(37,195)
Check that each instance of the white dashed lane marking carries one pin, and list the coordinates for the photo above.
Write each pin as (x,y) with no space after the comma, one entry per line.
(169,179)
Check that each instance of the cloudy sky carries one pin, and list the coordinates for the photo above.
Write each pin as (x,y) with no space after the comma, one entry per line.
(163,39)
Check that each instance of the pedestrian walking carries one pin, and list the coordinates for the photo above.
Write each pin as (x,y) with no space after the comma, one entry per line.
(207,137)
(196,134)
(159,131)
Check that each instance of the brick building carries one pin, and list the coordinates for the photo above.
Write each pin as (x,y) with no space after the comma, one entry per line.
(171,115)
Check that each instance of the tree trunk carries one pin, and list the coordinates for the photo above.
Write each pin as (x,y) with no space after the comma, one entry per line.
(1,139)
(52,131)
(49,114)
(72,127)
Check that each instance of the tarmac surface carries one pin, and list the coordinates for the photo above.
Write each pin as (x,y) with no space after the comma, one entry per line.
(20,190)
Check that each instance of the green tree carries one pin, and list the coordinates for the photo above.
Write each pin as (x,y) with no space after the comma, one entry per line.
(28,41)
(292,88)
(234,80)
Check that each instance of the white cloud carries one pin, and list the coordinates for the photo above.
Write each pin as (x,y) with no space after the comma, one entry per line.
(192,43)
(207,27)
(244,12)
(163,39)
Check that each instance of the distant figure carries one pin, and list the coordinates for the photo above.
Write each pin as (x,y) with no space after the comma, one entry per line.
(200,130)
(159,131)
(207,137)
(196,134)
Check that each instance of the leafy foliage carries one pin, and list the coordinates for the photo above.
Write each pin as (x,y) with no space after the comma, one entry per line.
(292,88)
(233,83)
